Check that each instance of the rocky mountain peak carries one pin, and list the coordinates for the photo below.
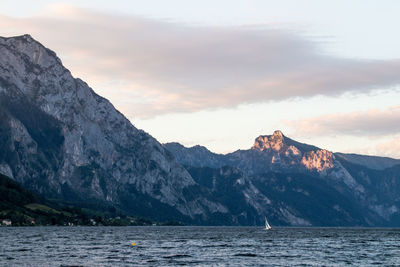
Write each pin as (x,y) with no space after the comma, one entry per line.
(288,153)
(278,134)
(31,51)
(274,142)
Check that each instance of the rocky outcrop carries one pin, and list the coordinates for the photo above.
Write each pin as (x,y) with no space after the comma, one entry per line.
(274,142)
(319,160)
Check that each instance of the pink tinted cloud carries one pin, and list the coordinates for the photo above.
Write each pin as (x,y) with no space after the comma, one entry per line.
(373,122)
(390,148)
(178,68)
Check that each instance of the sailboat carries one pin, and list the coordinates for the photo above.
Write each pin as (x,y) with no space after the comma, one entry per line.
(267,226)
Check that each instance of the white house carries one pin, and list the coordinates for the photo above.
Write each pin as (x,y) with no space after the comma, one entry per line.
(6,222)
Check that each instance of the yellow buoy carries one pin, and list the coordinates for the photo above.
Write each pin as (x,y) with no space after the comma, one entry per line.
(133,244)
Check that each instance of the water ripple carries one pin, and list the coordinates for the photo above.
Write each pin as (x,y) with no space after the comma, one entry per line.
(197,246)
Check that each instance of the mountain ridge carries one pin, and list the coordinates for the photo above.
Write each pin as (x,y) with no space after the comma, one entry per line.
(276,155)
(262,142)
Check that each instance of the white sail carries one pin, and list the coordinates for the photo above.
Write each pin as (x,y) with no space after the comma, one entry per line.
(267,226)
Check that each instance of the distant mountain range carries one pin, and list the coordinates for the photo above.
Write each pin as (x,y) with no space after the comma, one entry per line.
(61,140)
(307,185)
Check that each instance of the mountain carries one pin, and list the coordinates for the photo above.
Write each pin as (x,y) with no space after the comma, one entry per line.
(317,186)
(60,139)
(63,142)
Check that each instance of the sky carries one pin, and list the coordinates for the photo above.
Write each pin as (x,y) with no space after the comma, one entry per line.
(221,73)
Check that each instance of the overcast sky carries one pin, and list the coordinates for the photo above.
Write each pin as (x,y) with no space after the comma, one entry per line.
(220,73)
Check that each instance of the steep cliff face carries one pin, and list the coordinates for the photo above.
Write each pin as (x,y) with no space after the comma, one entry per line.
(59,138)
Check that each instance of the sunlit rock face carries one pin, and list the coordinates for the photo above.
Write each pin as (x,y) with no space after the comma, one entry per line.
(292,151)
(273,142)
(318,160)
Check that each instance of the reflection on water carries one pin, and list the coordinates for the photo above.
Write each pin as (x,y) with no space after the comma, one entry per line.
(197,246)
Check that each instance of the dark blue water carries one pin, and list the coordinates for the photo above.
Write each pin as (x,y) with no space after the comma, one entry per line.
(198,246)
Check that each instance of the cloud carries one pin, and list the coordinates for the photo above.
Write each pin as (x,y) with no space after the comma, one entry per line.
(374,122)
(390,148)
(151,67)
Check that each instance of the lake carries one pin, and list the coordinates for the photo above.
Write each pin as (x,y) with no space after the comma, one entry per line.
(198,246)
